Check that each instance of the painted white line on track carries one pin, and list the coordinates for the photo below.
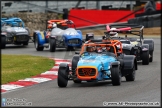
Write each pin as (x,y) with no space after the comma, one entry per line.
(10,86)
(37,79)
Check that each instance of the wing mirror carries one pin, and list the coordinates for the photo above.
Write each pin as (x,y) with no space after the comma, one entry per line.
(76,52)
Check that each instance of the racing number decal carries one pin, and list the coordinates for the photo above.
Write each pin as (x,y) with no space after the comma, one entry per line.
(42,34)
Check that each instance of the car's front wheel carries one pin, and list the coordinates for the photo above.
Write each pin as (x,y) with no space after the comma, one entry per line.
(145,58)
(151,58)
(37,45)
(62,79)
(52,45)
(3,42)
(115,75)
(131,77)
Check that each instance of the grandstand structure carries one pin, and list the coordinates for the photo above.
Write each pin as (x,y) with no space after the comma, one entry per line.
(18,6)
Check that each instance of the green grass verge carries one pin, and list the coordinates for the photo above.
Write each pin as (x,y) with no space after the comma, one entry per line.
(16,67)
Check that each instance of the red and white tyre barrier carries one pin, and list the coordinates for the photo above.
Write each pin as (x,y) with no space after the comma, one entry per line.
(43,77)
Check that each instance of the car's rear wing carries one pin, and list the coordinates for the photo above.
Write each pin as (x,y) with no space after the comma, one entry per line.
(126,29)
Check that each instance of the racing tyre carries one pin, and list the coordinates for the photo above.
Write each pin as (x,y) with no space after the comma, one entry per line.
(62,79)
(37,45)
(151,58)
(74,63)
(52,45)
(3,42)
(150,42)
(131,77)
(115,75)
(145,58)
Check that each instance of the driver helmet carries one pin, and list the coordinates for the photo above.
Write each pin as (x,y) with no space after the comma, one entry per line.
(91,48)
(99,50)
(54,25)
(114,34)
(104,49)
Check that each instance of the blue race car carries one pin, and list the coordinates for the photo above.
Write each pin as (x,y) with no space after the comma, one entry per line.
(98,61)
(57,37)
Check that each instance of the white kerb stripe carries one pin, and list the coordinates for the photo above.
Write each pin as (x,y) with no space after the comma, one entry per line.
(62,62)
(10,86)
(55,67)
(50,72)
(38,79)
(59,59)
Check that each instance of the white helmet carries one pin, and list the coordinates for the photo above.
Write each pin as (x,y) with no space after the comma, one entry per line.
(54,25)
(99,50)
(114,34)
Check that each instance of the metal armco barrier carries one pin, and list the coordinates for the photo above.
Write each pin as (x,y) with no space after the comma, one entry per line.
(98,26)
(144,21)
(157,21)
(148,20)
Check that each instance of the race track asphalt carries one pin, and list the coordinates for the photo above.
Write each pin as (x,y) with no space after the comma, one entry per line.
(145,88)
